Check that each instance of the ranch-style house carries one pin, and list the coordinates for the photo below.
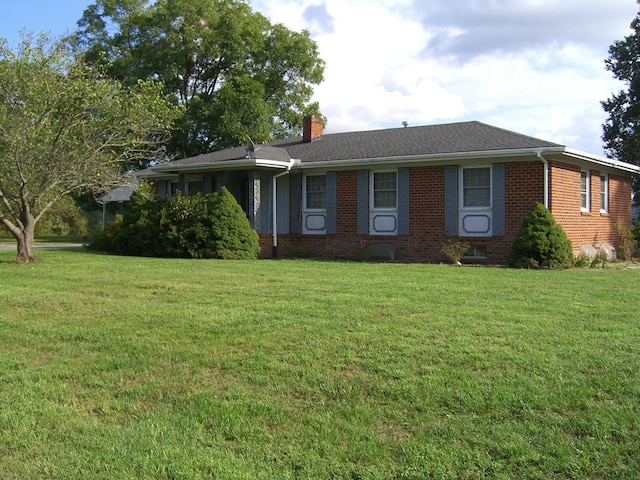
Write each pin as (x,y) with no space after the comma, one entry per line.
(400,193)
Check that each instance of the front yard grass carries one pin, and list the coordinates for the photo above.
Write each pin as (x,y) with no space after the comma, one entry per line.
(116,367)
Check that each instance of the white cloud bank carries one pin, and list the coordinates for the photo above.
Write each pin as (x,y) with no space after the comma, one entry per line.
(533,66)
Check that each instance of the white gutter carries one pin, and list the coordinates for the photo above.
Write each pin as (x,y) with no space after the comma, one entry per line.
(275,206)
(546,178)
(604,161)
(221,165)
(451,157)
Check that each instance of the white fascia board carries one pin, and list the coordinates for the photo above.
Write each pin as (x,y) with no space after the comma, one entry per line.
(450,158)
(433,158)
(603,161)
(223,165)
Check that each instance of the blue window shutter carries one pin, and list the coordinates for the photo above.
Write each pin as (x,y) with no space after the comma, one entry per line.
(451,201)
(363,202)
(403,201)
(331,204)
(296,201)
(498,193)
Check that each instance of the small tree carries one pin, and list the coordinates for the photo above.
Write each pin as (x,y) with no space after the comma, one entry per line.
(66,128)
(541,242)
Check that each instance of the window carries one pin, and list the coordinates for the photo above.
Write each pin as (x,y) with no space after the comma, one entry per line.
(385,190)
(475,215)
(476,187)
(314,211)
(584,191)
(476,252)
(604,193)
(316,191)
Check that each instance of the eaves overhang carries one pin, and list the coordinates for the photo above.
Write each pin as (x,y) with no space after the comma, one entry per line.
(455,157)
(239,164)
(441,158)
(602,161)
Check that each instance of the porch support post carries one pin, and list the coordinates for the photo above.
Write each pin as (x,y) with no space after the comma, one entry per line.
(254,200)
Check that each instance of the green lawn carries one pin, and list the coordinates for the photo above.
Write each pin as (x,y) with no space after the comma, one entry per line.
(137,368)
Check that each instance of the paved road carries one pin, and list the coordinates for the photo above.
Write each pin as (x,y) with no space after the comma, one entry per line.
(12,246)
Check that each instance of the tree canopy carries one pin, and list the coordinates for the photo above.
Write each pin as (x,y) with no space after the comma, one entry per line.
(621,131)
(234,73)
(65,127)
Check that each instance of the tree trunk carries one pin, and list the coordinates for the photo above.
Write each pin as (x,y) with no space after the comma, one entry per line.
(25,239)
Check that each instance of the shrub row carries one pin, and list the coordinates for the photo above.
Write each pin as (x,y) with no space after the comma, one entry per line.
(196,226)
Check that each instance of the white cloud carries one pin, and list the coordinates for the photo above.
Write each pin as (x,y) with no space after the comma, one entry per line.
(533,66)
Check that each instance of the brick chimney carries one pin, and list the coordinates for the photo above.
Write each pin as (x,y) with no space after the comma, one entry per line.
(312,128)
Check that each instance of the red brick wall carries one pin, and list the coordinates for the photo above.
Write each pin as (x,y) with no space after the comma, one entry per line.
(524,186)
(592,227)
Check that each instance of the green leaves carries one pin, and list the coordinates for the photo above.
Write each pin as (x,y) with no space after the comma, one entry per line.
(233,72)
(192,226)
(621,134)
(541,242)
(67,127)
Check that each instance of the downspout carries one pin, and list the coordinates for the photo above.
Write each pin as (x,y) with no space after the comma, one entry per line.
(546,178)
(275,206)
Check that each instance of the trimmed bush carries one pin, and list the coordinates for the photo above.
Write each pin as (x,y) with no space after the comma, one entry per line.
(541,242)
(233,235)
(186,226)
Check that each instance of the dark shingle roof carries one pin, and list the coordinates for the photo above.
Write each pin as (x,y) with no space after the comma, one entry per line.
(426,140)
(394,142)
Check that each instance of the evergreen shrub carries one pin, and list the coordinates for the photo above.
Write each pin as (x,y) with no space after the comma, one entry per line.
(233,235)
(195,226)
(541,242)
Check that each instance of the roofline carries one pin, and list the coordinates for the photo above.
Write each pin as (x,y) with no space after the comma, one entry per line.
(435,157)
(600,160)
(396,160)
(223,165)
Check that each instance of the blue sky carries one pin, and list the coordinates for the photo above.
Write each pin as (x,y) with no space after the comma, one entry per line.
(57,17)
(532,66)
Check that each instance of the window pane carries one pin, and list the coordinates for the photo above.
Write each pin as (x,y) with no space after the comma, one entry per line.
(584,191)
(476,184)
(604,188)
(385,181)
(384,190)
(316,191)
(385,199)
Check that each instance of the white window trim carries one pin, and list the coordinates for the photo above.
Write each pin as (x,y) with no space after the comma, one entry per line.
(382,216)
(475,214)
(587,192)
(304,193)
(372,193)
(604,189)
(313,213)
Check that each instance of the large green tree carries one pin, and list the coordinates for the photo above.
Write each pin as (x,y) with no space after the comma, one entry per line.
(65,128)
(622,129)
(234,72)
